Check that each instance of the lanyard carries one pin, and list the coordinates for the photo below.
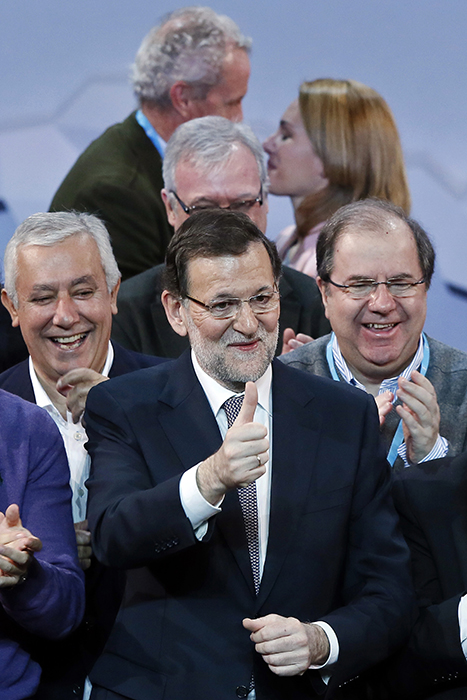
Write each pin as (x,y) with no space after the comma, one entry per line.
(399,434)
(150,131)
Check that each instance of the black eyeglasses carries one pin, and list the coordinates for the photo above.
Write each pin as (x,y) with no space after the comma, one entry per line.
(242,205)
(229,308)
(365,288)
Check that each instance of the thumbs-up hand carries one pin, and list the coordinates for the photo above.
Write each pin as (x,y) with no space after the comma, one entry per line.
(242,456)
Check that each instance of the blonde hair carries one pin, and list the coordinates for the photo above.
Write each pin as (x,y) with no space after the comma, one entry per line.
(354,133)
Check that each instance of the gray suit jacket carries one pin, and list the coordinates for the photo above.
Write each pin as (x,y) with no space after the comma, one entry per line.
(141,324)
(447,372)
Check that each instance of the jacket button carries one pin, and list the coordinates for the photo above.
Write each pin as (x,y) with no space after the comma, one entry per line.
(241,691)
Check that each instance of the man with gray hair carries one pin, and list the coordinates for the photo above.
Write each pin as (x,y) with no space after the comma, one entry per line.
(374,268)
(210,162)
(193,64)
(61,285)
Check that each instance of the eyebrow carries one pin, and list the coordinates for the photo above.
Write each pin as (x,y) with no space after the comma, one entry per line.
(44,287)
(399,276)
(227,295)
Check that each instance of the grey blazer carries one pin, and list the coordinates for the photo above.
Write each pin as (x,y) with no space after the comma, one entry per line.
(447,372)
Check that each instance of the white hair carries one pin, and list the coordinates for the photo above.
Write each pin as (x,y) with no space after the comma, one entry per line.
(190,44)
(48,229)
(207,143)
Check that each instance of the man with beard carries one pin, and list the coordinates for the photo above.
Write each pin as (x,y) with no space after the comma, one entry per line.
(248,502)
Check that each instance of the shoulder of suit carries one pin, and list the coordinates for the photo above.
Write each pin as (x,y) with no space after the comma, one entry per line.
(308,355)
(146,285)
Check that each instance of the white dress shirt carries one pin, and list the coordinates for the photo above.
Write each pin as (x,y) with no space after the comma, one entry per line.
(198,510)
(74,437)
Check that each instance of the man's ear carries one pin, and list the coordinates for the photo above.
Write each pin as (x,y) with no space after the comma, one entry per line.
(113,297)
(322,286)
(174,312)
(8,304)
(168,207)
(181,95)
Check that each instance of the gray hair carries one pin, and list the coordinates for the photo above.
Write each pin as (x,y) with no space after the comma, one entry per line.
(370,215)
(208,142)
(190,44)
(48,229)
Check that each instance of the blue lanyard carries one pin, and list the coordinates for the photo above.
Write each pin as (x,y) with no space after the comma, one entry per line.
(399,435)
(150,131)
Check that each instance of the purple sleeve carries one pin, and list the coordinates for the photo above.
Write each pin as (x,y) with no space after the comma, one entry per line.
(51,601)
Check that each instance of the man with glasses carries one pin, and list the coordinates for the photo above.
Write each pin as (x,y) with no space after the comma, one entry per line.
(248,502)
(375,266)
(210,162)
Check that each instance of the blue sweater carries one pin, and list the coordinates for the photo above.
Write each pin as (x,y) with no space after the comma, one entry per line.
(34,474)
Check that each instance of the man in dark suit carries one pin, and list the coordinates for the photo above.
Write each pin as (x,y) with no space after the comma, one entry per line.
(248,501)
(432,502)
(61,284)
(211,162)
(195,63)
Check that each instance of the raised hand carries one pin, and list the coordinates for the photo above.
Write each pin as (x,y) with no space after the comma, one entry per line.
(384,404)
(242,456)
(290,341)
(17,547)
(75,385)
(420,415)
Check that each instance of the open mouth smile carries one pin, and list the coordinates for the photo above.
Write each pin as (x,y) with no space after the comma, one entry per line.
(71,342)
(380,326)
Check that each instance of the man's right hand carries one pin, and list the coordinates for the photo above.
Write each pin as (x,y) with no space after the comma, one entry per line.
(236,463)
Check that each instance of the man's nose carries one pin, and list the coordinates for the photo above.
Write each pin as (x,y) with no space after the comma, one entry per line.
(66,313)
(246,321)
(381,300)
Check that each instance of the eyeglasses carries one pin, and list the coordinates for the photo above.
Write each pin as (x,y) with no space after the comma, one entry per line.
(229,308)
(365,288)
(242,205)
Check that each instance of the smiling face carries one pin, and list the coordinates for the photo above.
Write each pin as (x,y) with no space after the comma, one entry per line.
(235,180)
(225,98)
(64,308)
(294,168)
(378,336)
(236,350)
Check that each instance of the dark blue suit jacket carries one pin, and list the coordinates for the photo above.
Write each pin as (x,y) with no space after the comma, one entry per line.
(66,664)
(431,498)
(334,550)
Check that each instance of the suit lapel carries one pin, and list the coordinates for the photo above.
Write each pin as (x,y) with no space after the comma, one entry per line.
(194,434)
(190,424)
(296,434)
(18,381)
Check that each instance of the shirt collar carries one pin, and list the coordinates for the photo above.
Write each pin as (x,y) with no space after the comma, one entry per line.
(151,133)
(387,384)
(41,396)
(217,394)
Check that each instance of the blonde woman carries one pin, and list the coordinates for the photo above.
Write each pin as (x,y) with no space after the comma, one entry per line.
(336,144)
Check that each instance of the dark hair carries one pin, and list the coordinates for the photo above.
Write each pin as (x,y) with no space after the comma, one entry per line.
(370,215)
(209,234)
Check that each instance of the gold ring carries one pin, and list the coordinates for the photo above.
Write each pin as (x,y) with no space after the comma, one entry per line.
(259,460)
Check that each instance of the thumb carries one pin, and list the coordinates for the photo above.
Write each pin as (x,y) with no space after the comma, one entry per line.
(252,625)
(12,516)
(247,412)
